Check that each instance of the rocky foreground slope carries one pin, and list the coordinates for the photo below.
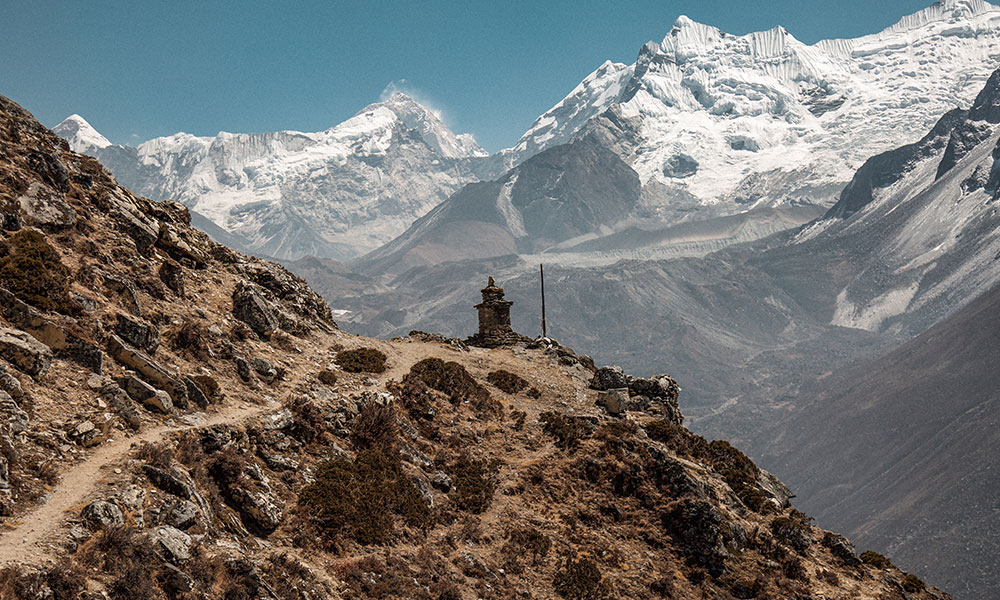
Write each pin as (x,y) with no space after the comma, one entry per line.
(181,421)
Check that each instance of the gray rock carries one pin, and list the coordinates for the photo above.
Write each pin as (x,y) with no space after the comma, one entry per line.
(50,168)
(172,275)
(175,581)
(10,384)
(251,308)
(415,457)
(147,395)
(658,387)
(44,207)
(150,370)
(615,401)
(16,419)
(125,288)
(172,481)
(441,481)
(119,402)
(103,515)
(181,514)
(24,352)
(609,378)
(132,498)
(775,489)
(174,542)
(420,482)
(195,393)
(138,333)
(278,462)
(243,368)
(264,369)
(842,548)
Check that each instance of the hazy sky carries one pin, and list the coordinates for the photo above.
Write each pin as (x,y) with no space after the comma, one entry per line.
(139,69)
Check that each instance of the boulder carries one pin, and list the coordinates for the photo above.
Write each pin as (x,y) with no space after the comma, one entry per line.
(149,369)
(50,168)
(251,308)
(24,352)
(181,514)
(175,543)
(140,228)
(140,334)
(120,403)
(659,387)
(12,414)
(172,275)
(125,288)
(264,369)
(614,401)
(103,515)
(775,489)
(420,482)
(43,207)
(172,240)
(171,482)
(609,378)
(147,395)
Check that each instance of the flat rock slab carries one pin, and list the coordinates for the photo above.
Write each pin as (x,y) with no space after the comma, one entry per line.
(24,352)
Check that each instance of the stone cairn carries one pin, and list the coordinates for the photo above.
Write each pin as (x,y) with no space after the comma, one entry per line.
(494,320)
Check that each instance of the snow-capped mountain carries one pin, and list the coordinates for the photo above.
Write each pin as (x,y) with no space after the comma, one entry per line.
(334,193)
(736,122)
(81,136)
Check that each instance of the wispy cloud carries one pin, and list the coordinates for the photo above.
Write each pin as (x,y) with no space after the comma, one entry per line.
(402,86)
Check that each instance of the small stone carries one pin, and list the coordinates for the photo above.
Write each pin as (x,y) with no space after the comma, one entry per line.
(441,481)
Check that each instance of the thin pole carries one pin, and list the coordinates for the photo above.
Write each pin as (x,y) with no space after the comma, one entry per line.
(541,274)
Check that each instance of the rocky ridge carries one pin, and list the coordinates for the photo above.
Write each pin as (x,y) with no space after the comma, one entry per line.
(277,457)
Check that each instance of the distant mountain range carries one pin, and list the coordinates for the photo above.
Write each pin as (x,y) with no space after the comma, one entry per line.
(713,124)
(334,193)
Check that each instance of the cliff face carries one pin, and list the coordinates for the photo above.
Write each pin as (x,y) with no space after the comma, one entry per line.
(181,421)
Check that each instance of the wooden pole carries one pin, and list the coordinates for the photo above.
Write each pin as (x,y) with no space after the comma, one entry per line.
(541,274)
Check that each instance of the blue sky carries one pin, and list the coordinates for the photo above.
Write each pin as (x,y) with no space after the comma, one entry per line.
(139,69)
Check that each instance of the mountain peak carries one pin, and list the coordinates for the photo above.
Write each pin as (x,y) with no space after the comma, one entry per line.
(942,11)
(429,124)
(80,134)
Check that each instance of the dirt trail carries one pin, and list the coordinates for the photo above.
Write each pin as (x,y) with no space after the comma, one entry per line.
(28,542)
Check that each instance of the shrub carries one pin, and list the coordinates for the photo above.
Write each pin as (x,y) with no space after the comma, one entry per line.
(580,580)
(528,540)
(60,582)
(375,427)
(507,381)
(473,484)
(450,378)
(870,557)
(567,431)
(361,360)
(678,439)
(327,377)
(32,271)
(912,583)
(792,531)
(357,498)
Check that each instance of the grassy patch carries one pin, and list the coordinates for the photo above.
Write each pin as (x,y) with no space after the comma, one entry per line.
(361,360)
(507,381)
(30,268)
